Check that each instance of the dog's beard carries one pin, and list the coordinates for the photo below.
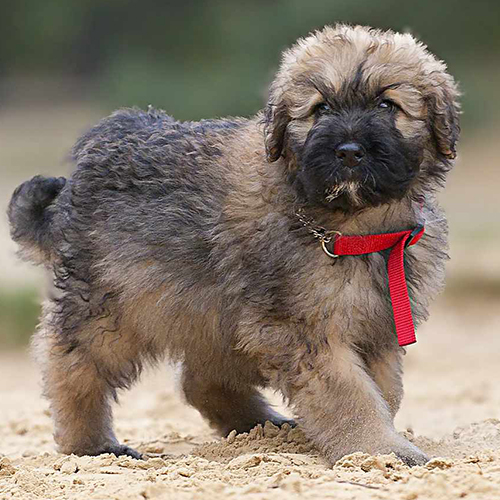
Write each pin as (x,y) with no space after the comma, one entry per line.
(348,189)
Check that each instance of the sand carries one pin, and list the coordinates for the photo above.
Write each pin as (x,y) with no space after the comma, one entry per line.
(451,410)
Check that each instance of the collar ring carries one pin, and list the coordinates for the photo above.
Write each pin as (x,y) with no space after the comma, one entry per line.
(327,238)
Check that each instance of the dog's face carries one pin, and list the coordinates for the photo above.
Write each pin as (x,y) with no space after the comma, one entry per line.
(360,117)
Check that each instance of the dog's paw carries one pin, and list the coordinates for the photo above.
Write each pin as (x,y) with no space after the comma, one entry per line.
(279,422)
(411,455)
(120,450)
(413,459)
(245,427)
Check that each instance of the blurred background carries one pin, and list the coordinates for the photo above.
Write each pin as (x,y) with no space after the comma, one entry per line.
(66,63)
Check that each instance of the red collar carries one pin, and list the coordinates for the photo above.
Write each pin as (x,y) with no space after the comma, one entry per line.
(396,242)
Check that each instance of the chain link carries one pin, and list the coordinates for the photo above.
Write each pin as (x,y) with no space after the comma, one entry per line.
(319,232)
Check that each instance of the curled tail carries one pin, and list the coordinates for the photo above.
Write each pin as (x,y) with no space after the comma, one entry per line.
(30,213)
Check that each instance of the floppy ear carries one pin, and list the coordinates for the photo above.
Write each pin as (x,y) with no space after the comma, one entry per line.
(444,111)
(276,119)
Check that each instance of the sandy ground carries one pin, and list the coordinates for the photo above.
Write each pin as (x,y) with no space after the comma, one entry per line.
(451,410)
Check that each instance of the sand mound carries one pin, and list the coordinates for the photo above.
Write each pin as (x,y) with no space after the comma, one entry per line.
(267,439)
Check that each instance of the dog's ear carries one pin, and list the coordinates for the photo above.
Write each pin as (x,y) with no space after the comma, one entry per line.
(444,111)
(276,119)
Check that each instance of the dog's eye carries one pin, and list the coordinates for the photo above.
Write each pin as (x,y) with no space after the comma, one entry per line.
(323,109)
(388,105)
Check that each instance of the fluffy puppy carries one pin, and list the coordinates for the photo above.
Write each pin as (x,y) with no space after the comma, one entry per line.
(182,238)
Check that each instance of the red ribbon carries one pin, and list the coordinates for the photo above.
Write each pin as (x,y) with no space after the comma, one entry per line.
(397,242)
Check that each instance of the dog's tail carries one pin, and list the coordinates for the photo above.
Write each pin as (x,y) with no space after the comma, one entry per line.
(30,213)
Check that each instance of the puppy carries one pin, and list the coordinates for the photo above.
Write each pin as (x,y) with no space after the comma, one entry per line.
(215,242)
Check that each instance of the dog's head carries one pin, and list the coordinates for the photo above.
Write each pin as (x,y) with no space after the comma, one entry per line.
(360,116)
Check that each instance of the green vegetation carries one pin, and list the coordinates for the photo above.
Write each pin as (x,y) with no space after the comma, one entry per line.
(19,311)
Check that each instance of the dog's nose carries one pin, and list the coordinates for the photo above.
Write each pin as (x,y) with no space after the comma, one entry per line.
(350,153)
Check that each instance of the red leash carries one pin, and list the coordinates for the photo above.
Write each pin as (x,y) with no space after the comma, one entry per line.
(397,242)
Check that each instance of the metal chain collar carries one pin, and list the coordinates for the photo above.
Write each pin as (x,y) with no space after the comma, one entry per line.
(319,232)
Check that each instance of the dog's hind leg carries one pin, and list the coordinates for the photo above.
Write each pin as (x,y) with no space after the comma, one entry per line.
(386,371)
(84,362)
(227,396)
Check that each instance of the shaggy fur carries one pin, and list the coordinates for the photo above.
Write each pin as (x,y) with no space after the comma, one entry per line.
(183,238)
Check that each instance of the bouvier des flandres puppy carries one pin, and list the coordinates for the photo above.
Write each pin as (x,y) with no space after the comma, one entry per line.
(239,248)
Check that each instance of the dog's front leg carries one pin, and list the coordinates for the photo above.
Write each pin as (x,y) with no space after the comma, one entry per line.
(339,405)
(386,371)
